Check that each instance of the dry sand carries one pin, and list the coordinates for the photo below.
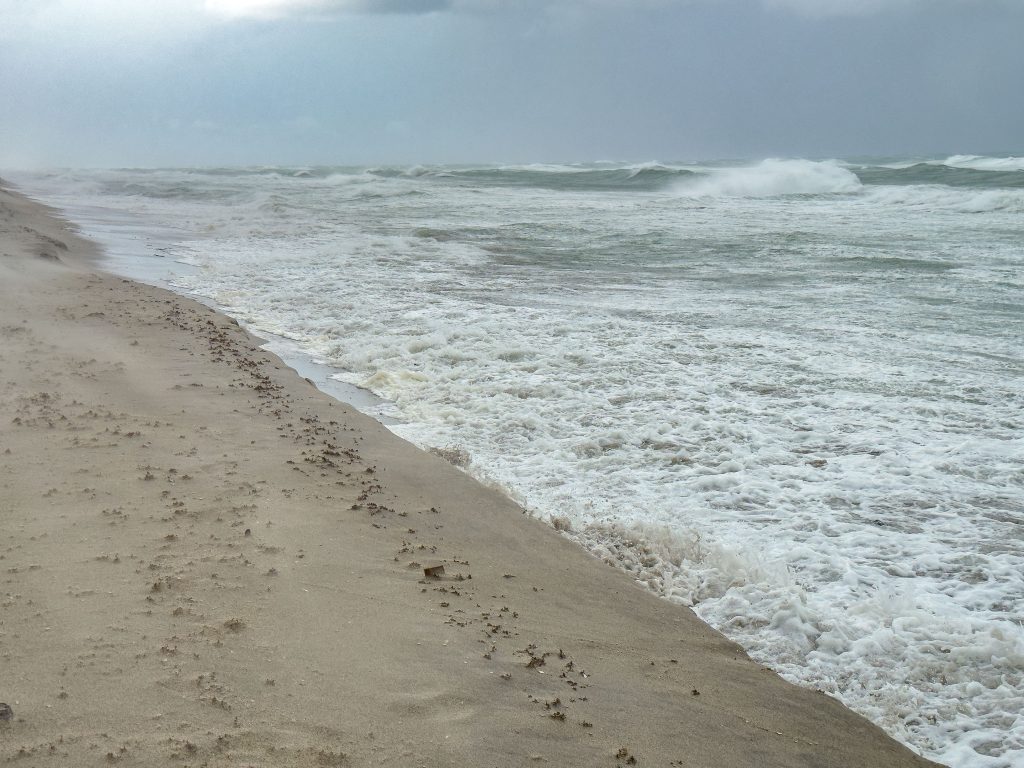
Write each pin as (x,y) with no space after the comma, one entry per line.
(206,561)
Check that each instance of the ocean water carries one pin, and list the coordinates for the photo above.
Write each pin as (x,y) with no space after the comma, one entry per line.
(788,393)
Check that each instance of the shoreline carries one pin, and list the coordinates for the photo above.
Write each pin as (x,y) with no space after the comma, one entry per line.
(266,608)
(142,269)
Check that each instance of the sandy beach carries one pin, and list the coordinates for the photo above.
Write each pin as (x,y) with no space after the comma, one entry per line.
(206,561)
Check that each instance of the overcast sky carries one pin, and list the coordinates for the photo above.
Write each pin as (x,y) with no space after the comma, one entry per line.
(185,82)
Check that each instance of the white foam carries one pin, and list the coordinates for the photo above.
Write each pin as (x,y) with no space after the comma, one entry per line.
(981,163)
(771,178)
(937,198)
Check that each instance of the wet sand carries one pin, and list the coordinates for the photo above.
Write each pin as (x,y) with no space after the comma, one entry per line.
(204,560)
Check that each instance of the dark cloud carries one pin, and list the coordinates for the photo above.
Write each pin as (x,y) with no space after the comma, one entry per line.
(322,8)
(311,81)
(401,6)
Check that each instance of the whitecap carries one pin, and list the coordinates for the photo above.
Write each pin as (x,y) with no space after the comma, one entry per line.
(772,178)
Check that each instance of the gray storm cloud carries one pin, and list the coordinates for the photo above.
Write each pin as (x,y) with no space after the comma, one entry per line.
(282,8)
(110,82)
(271,9)
(17,16)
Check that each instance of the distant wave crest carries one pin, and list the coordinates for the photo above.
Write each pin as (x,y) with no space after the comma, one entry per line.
(643,177)
(773,178)
(980,163)
(1001,174)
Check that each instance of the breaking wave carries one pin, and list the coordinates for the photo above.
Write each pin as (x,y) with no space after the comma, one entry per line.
(939,198)
(944,174)
(644,177)
(980,163)
(773,178)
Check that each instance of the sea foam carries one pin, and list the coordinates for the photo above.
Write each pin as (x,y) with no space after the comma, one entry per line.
(773,177)
(980,163)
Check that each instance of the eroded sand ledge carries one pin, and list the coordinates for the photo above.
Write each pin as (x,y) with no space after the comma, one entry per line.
(206,561)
